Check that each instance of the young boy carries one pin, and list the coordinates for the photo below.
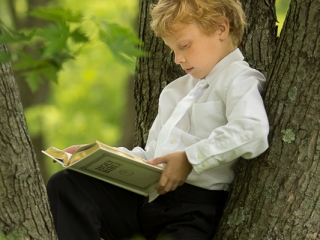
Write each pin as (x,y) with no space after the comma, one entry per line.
(207,119)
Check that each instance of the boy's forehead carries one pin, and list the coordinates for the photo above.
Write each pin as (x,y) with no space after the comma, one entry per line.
(182,31)
(173,38)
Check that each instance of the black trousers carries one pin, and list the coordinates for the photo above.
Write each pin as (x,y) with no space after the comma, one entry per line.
(89,209)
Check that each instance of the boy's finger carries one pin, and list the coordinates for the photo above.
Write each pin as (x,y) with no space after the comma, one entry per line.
(157,161)
(170,186)
(161,184)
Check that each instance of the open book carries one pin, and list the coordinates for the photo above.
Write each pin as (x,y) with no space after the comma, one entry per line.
(111,165)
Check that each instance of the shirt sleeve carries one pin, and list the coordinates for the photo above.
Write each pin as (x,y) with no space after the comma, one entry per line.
(246,131)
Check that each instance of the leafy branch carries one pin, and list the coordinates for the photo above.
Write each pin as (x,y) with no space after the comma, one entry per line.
(43,51)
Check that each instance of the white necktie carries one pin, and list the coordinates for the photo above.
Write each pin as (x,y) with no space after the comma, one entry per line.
(180,110)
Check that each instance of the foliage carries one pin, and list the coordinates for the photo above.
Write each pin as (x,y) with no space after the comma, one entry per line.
(63,39)
(122,47)
(87,104)
(281,8)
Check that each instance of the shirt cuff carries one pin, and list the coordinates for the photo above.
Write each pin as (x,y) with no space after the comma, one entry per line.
(198,157)
(207,154)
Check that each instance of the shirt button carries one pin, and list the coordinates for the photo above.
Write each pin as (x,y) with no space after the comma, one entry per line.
(200,156)
(185,128)
(173,141)
(204,164)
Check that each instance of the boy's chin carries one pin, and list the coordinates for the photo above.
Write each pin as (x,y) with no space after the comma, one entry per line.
(197,76)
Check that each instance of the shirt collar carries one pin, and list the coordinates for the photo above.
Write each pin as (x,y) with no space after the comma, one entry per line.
(236,55)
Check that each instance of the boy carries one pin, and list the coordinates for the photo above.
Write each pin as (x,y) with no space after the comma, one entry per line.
(207,119)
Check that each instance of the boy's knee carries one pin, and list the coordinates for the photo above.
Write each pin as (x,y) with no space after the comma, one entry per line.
(58,181)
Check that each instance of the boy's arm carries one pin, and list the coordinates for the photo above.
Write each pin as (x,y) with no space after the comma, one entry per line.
(246,132)
(175,172)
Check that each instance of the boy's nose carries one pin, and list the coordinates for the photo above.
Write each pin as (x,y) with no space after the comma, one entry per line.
(178,58)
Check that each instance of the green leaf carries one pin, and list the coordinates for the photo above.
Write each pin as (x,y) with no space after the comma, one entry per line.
(33,79)
(50,74)
(37,76)
(78,36)
(58,59)
(57,14)
(4,57)
(122,42)
(12,36)
(56,36)
(26,62)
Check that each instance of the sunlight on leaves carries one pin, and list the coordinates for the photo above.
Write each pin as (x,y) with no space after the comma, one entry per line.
(121,41)
(61,41)
(281,8)
(12,36)
(88,102)
(57,14)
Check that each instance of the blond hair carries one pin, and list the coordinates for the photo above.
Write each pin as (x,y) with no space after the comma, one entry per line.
(207,14)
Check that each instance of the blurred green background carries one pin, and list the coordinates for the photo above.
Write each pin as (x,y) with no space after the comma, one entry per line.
(89,102)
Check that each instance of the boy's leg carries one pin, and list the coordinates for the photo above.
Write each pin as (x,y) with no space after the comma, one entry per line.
(87,208)
(188,212)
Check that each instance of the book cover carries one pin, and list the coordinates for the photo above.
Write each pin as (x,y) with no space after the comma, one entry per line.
(111,165)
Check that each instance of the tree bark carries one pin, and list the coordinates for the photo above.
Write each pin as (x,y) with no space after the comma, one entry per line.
(260,36)
(276,196)
(24,208)
(128,123)
(28,97)
(153,73)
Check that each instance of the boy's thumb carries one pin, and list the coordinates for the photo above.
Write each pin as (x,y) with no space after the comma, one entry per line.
(157,161)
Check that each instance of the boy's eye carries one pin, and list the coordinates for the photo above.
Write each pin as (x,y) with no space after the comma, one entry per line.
(184,46)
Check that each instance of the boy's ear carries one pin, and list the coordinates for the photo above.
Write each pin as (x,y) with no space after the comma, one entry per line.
(223,30)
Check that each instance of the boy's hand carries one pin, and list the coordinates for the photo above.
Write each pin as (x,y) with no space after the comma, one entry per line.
(70,149)
(175,172)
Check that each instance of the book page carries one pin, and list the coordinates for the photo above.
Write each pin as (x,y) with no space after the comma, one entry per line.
(58,155)
(90,148)
(116,151)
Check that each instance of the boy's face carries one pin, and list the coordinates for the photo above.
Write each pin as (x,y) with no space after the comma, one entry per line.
(197,52)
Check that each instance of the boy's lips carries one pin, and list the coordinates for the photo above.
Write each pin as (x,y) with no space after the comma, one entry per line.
(188,70)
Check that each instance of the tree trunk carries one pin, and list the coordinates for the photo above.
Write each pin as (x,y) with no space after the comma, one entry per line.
(24,208)
(153,73)
(128,123)
(277,195)
(28,98)
(259,40)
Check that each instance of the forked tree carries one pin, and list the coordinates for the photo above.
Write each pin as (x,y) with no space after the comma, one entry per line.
(277,195)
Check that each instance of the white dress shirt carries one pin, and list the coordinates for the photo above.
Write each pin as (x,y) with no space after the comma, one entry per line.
(227,122)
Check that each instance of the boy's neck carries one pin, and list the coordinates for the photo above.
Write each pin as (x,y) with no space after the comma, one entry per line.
(228,46)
